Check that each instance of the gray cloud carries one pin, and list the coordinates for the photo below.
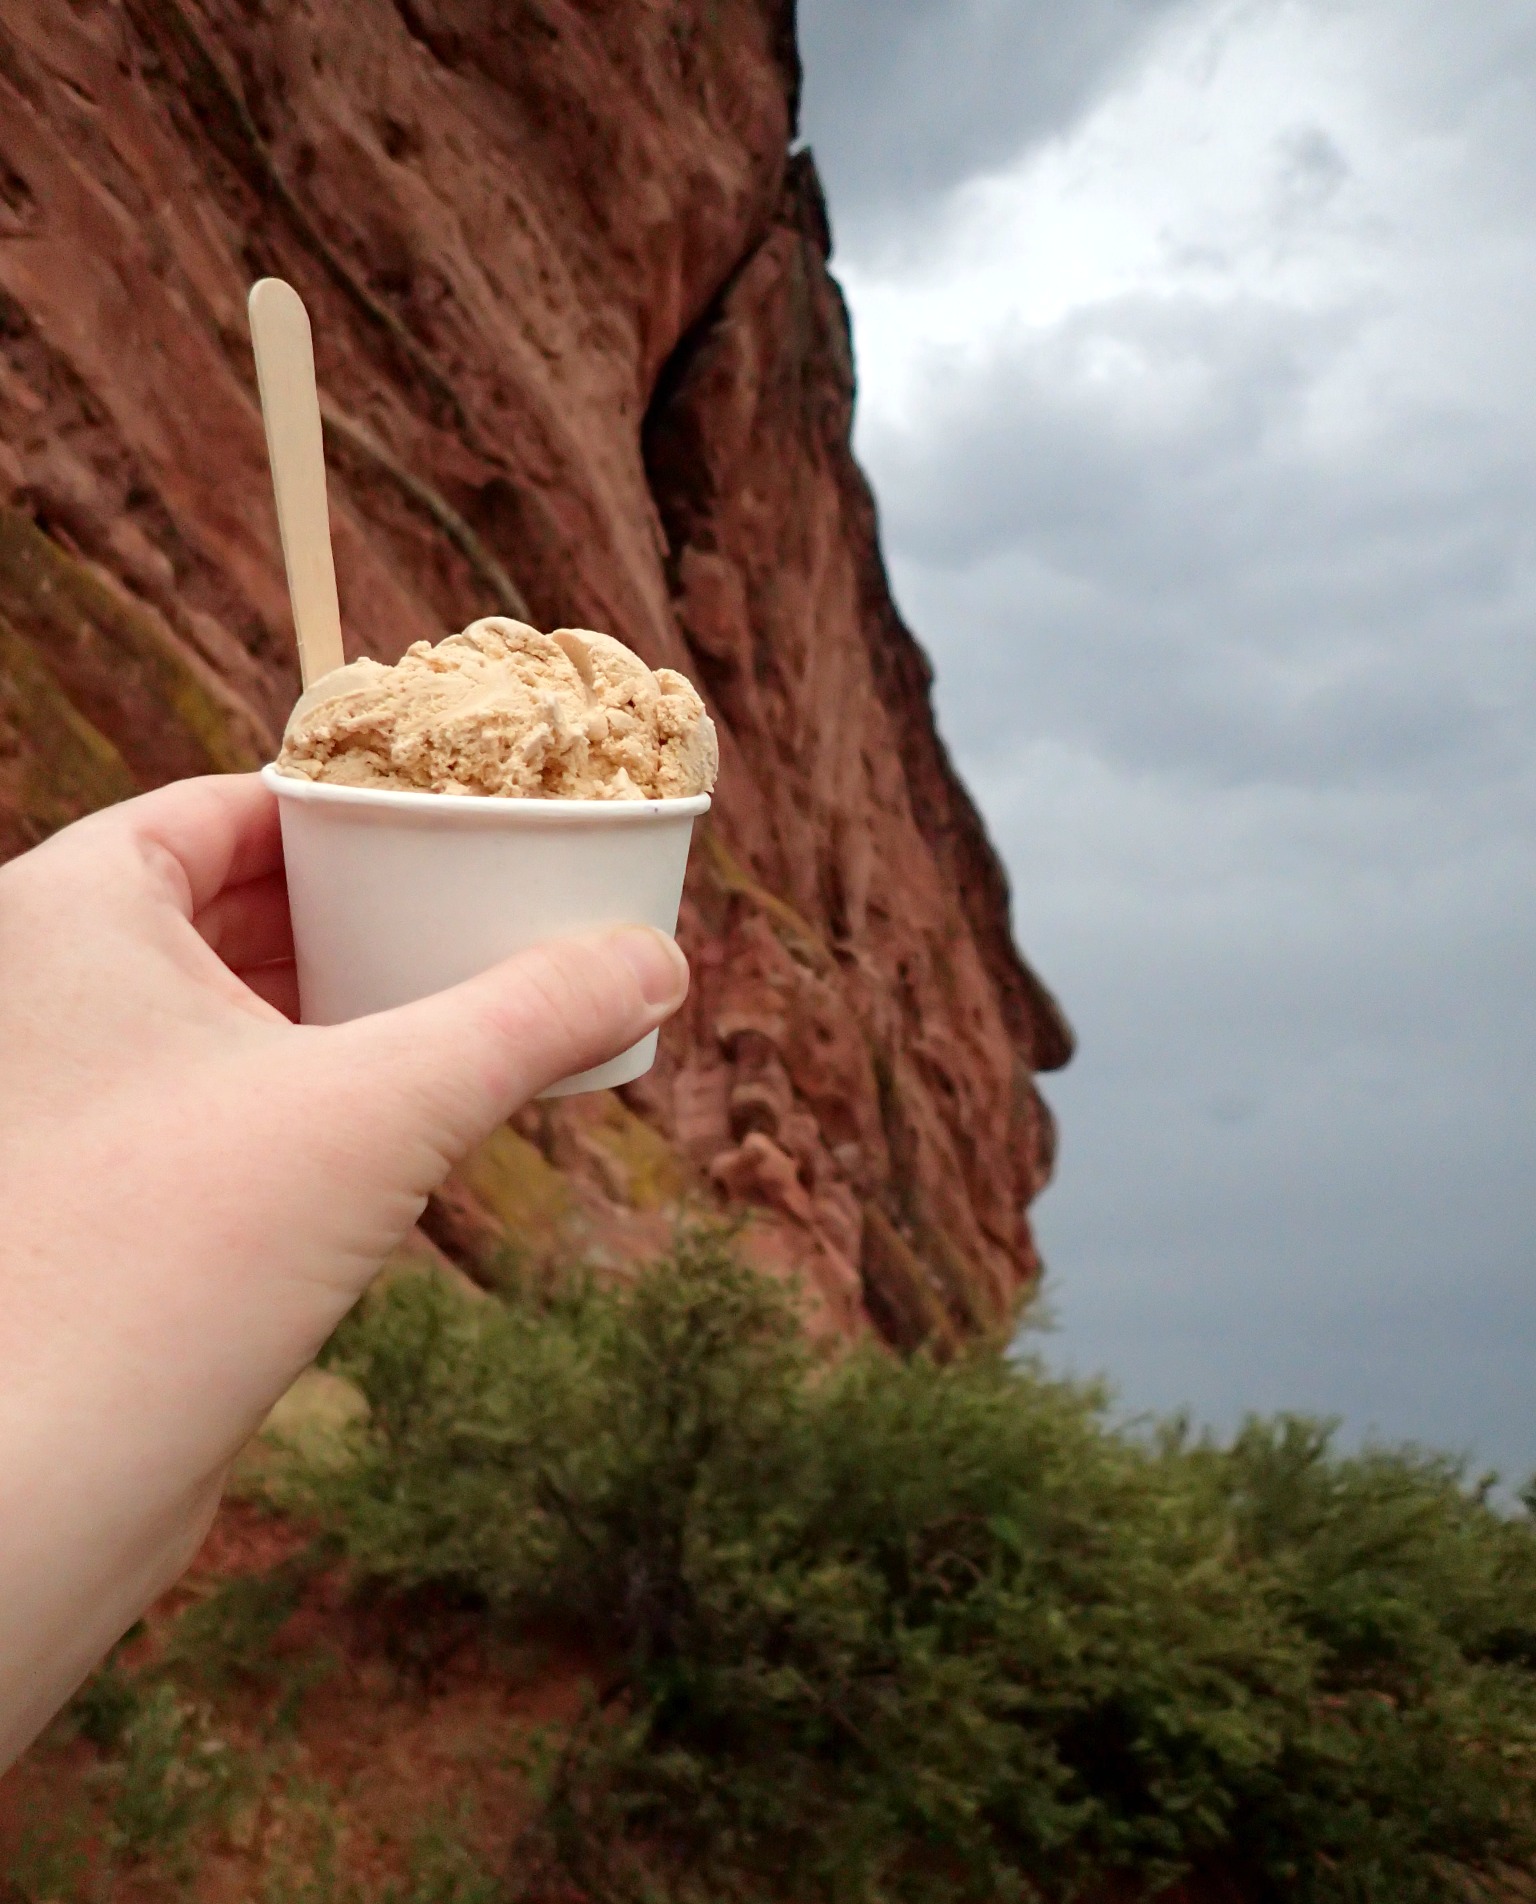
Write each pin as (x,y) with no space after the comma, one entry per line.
(1455,70)
(1231,596)
(1193,589)
(1356,1240)
(906,98)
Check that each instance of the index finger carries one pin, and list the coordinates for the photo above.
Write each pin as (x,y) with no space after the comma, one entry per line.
(201,836)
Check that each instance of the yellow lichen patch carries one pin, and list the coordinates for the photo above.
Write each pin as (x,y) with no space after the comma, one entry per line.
(527,1195)
(967,1287)
(80,621)
(645,1171)
(899,1291)
(797,935)
(54,766)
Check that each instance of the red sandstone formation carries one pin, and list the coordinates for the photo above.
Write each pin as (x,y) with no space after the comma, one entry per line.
(583,358)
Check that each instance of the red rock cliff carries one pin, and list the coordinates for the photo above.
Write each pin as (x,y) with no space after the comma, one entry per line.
(582,358)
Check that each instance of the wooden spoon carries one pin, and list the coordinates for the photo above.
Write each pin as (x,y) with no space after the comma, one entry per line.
(290,408)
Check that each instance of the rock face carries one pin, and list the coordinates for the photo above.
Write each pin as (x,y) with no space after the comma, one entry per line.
(582,358)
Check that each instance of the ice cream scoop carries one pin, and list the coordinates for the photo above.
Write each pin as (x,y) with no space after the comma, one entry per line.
(506,711)
(480,796)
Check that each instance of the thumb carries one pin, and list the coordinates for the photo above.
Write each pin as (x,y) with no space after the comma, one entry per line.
(446,1070)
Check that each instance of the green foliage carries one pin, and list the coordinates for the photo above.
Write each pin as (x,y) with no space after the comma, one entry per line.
(442,1869)
(103,1707)
(228,1638)
(885,1631)
(165,1773)
(304,1864)
(49,1864)
(173,1774)
(163,1776)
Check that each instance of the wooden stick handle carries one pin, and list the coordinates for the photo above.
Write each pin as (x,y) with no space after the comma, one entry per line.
(290,408)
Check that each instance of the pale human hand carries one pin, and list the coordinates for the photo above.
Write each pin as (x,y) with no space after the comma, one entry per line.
(194,1189)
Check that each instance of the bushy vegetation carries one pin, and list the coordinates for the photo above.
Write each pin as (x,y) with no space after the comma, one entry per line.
(873,1630)
(169,1788)
(165,1771)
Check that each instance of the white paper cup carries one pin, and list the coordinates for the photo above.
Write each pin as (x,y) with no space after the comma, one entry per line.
(397,895)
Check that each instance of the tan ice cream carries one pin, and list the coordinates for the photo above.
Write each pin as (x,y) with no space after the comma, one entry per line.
(504,710)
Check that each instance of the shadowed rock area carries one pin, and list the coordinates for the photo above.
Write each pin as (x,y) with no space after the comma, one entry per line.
(582,358)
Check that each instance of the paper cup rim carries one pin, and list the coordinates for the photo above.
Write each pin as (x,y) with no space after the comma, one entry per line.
(482,806)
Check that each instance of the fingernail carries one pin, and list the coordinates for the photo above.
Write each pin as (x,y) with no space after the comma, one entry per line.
(658,964)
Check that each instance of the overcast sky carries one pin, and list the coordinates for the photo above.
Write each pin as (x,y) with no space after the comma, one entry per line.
(1197,348)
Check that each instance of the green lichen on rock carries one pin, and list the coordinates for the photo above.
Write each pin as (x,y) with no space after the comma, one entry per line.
(797,935)
(102,646)
(646,1171)
(899,1289)
(54,765)
(530,1198)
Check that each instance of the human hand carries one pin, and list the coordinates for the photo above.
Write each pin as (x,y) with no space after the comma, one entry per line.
(194,1189)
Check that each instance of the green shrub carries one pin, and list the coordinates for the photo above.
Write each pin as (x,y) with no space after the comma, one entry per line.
(302,1865)
(442,1870)
(227,1637)
(894,1631)
(49,1864)
(103,1707)
(173,1774)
